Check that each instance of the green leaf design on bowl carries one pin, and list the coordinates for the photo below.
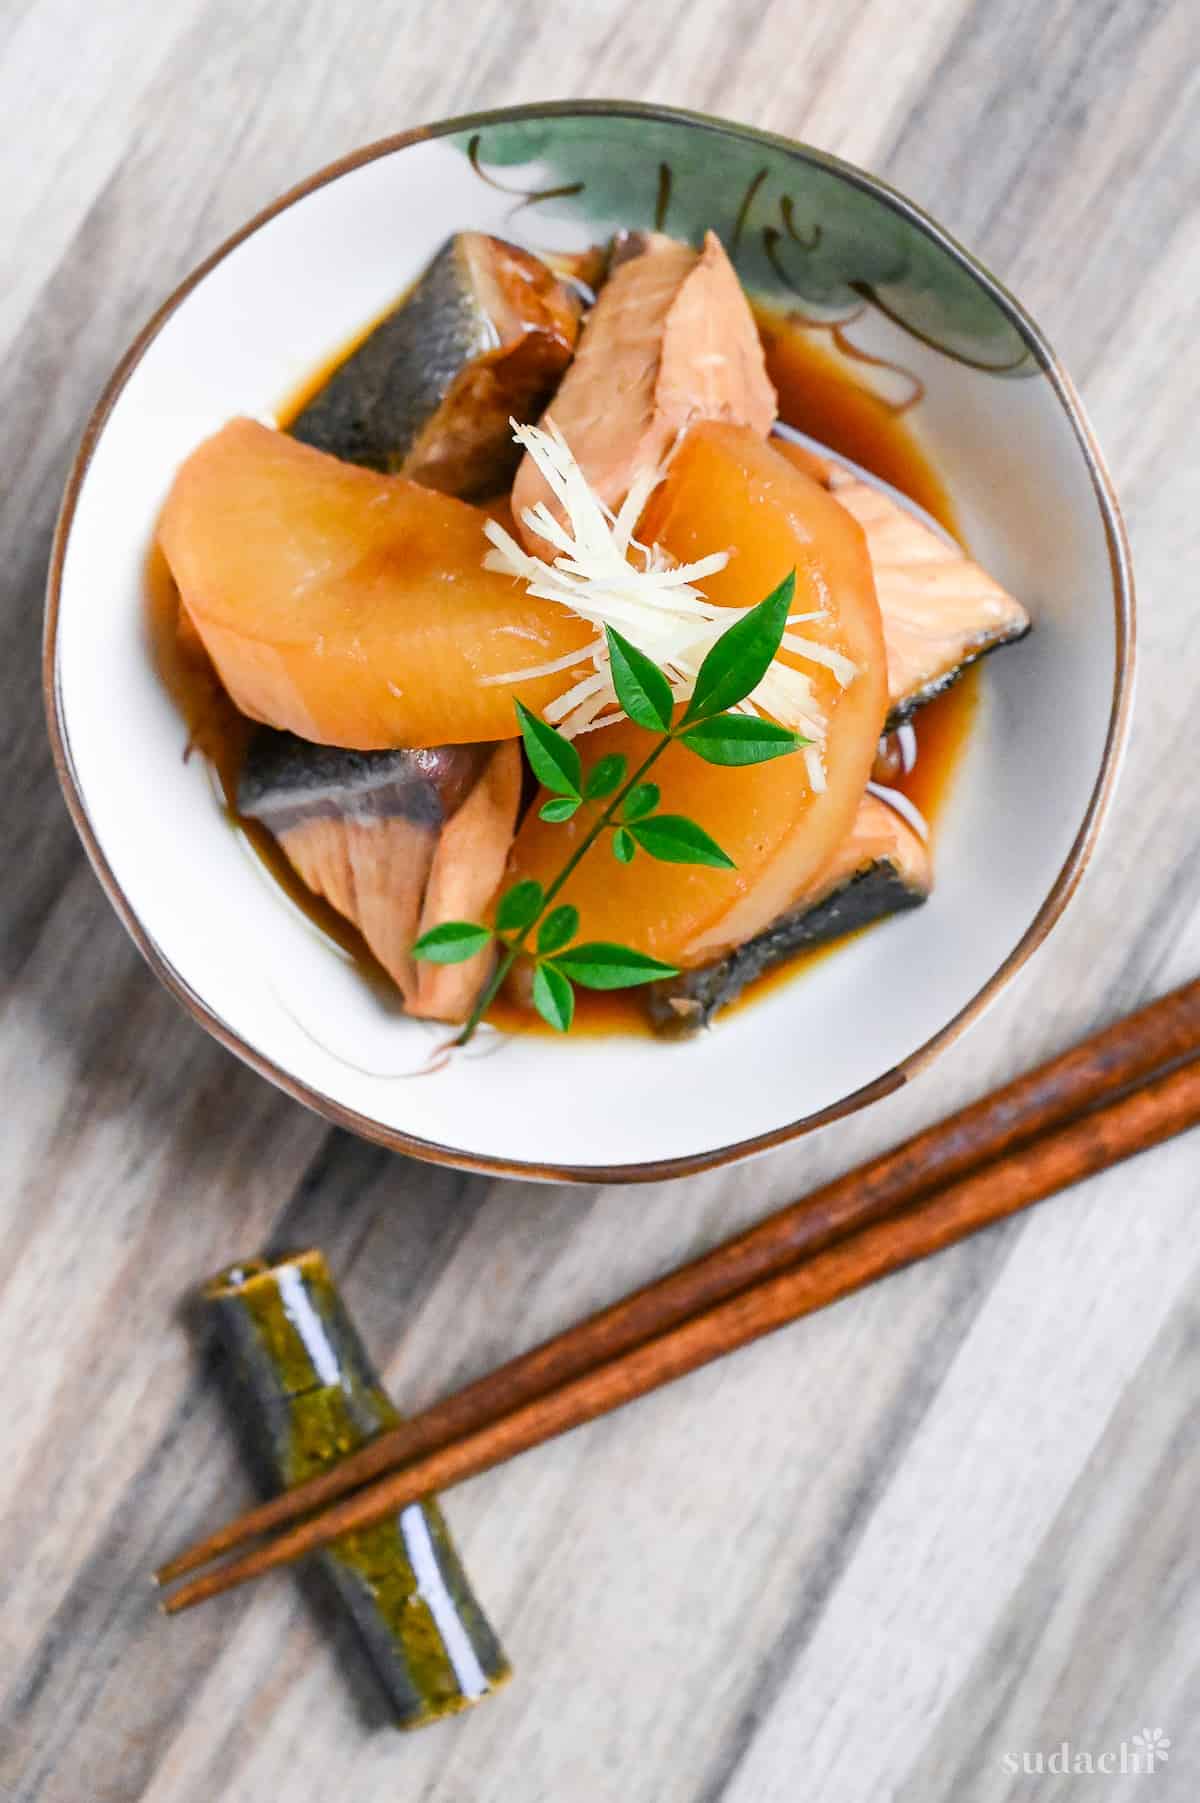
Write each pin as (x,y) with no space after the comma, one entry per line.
(803,231)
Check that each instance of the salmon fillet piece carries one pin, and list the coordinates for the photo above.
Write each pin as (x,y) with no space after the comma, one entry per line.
(670,340)
(397,842)
(466,873)
(941,610)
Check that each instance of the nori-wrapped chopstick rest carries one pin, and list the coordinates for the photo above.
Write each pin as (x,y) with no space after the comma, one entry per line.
(312,1397)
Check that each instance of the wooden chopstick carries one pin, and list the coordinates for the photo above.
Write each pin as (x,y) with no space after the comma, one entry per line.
(1141,1118)
(1120,1055)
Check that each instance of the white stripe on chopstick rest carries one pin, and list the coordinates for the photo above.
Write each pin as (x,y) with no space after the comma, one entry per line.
(308,1323)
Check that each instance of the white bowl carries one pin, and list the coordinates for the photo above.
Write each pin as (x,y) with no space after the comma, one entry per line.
(1007,433)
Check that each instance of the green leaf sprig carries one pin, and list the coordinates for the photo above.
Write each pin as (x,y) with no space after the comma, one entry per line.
(733,669)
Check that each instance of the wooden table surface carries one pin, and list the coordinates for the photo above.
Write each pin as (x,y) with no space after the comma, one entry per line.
(882,1555)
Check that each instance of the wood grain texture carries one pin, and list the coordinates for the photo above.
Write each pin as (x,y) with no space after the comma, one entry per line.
(952,1517)
(1049,1128)
(1134,1123)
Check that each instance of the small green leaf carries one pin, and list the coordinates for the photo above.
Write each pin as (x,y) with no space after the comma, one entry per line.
(561,808)
(741,657)
(675,839)
(642,689)
(606,776)
(559,926)
(452,942)
(553,997)
(640,801)
(553,759)
(602,966)
(520,907)
(740,739)
(623,846)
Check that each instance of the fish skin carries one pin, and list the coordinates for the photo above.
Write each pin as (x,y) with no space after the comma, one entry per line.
(911,704)
(396,841)
(671,340)
(484,335)
(286,779)
(627,245)
(884,869)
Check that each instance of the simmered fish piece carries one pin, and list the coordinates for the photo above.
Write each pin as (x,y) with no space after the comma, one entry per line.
(941,611)
(882,868)
(396,841)
(485,335)
(671,340)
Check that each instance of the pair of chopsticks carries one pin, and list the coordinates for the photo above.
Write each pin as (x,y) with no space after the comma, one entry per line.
(1130,1087)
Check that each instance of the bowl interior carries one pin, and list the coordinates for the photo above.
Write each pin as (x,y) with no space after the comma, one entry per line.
(1002,435)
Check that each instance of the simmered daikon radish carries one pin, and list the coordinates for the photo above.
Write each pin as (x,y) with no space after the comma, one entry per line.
(349,607)
(780,822)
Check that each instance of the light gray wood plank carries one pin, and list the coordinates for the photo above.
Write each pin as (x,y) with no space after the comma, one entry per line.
(76,130)
(865,1559)
(1096,1644)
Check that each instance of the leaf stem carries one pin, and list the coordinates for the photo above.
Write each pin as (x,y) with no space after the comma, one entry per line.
(516,946)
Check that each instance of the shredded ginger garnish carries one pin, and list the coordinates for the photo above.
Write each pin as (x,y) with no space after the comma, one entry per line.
(609,578)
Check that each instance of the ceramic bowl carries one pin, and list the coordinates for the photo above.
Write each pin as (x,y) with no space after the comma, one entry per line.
(1003,426)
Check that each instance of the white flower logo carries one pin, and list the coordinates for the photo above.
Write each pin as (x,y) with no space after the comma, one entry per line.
(1153,1742)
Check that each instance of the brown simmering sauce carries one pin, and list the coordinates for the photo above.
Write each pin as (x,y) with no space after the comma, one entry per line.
(820,394)
(219,733)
